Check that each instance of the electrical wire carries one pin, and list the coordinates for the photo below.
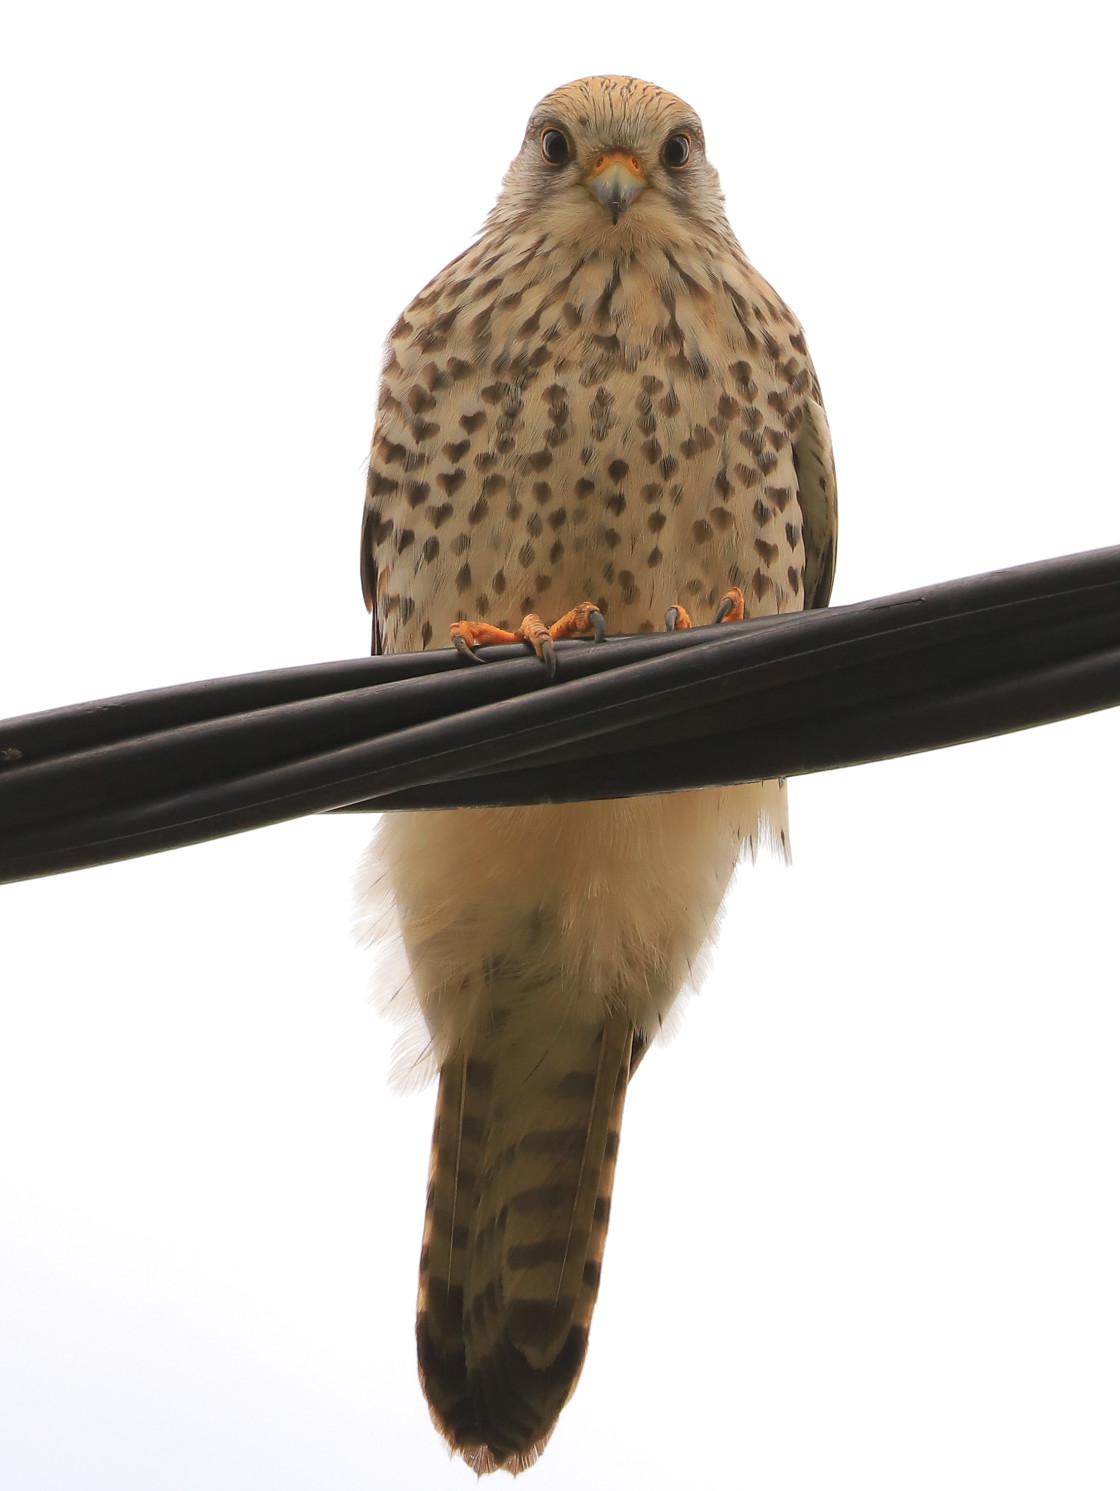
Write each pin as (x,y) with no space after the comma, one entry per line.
(777,696)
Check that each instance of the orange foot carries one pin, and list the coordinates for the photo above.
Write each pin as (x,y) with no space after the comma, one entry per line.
(731,608)
(585,620)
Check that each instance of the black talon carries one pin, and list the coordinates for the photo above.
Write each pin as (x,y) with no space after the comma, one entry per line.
(725,608)
(464,649)
(548,658)
(599,626)
(671,617)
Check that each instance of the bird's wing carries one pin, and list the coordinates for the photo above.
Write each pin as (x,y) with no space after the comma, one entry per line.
(816,489)
(369,579)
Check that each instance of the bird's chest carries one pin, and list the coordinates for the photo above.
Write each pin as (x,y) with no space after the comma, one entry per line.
(626,453)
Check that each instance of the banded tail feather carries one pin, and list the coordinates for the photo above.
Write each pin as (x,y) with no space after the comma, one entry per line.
(518,1205)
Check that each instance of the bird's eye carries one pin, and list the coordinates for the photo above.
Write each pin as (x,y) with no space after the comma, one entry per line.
(676,151)
(554,147)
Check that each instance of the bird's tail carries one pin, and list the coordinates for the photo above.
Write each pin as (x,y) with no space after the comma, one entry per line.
(545,946)
(518,1202)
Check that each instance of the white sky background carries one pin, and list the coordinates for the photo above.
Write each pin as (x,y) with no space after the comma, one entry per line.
(866,1221)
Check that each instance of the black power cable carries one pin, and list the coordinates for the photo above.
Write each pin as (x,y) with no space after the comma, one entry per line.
(779,696)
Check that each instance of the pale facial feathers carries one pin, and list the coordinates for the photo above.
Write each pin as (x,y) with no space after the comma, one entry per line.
(610,114)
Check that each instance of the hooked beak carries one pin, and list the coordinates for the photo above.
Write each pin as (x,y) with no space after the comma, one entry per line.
(616,178)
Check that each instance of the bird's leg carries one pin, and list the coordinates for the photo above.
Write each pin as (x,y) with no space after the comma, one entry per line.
(731,608)
(585,620)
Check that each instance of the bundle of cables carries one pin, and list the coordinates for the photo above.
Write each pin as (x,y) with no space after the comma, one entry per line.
(779,696)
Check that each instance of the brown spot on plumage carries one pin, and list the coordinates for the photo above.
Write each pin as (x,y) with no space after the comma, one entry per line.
(451,481)
(420,400)
(601,417)
(391,452)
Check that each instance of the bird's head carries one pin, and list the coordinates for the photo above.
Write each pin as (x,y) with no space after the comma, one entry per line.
(612,161)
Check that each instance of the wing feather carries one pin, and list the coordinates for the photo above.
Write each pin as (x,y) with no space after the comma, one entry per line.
(816,490)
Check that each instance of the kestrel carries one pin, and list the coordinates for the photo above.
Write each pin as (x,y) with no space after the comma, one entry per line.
(598,402)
